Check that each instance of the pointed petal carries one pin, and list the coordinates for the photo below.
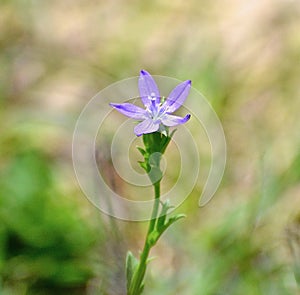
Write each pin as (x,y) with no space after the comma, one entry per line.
(177,96)
(171,120)
(148,89)
(147,126)
(130,110)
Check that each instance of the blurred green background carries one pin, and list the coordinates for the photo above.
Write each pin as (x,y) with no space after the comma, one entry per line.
(242,55)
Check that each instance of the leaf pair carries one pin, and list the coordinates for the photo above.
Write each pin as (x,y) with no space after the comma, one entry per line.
(163,223)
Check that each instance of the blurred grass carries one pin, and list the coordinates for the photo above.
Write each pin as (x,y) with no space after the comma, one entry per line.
(243,56)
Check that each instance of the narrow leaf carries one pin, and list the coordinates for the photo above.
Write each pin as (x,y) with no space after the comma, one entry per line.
(141,150)
(174,219)
(145,166)
(131,265)
(150,259)
(141,288)
(163,215)
(153,237)
(170,222)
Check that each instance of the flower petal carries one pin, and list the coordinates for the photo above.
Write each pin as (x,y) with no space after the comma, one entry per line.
(177,96)
(147,126)
(148,89)
(171,120)
(130,110)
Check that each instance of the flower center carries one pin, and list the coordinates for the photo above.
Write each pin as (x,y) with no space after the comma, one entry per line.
(155,110)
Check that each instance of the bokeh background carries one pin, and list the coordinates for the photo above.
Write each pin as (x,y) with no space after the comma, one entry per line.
(242,55)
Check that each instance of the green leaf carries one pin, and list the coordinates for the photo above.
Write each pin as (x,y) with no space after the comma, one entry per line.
(145,166)
(168,223)
(163,215)
(150,259)
(174,219)
(141,288)
(131,265)
(142,151)
(153,237)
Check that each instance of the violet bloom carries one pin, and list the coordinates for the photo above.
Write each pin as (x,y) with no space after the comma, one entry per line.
(158,112)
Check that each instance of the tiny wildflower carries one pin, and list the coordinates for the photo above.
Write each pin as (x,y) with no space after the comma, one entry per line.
(157,113)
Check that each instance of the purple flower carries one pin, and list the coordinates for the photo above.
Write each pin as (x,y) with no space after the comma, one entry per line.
(158,112)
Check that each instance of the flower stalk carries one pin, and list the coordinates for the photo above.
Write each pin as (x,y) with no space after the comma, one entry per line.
(154,124)
(155,145)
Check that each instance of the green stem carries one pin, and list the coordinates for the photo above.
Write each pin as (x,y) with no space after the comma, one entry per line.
(138,277)
(155,207)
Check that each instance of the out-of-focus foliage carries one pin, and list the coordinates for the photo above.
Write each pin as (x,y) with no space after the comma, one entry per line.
(44,243)
(244,57)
